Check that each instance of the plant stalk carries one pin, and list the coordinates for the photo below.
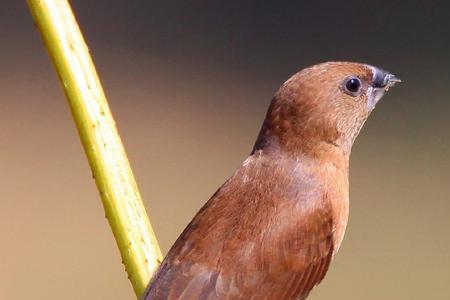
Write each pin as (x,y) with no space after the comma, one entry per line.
(105,152)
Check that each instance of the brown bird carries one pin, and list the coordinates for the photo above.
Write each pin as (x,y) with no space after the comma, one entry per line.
(271,231)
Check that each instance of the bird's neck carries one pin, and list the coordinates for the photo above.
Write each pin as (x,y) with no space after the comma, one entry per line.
(300,144)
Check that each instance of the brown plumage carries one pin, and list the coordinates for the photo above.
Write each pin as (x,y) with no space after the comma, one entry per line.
(271,231)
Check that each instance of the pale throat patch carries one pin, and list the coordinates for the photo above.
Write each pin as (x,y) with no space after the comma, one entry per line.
(375,95)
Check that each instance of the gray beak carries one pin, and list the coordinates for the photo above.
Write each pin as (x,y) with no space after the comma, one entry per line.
(384,80)
(381,82)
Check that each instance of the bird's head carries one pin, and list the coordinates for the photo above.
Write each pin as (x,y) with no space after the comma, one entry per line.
(323,106)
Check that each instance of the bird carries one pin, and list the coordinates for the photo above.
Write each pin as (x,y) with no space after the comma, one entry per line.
(272,229)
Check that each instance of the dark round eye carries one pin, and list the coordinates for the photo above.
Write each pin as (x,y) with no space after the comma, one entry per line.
(352,86)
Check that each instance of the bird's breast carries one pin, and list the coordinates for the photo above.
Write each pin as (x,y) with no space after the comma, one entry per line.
(338,197)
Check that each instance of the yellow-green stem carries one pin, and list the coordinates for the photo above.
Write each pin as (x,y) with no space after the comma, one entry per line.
(110,167)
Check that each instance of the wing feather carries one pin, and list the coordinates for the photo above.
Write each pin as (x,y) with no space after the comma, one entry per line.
(252,240)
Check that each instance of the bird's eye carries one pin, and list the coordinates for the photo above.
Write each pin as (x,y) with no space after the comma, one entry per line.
(352,86)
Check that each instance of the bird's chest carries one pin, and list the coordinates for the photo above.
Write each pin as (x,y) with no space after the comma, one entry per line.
(338,199)
(313,203)
(322,196)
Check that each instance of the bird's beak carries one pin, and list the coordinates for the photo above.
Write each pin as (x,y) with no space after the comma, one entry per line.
(384,80)
(391,80)
(381,83)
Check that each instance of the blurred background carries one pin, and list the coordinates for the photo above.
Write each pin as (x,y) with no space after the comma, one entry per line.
(189,83)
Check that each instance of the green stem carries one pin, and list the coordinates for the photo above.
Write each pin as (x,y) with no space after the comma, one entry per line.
(110,167)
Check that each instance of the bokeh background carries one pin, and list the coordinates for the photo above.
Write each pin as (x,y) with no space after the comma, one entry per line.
(189,83)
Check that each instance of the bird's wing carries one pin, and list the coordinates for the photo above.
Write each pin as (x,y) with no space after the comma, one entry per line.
(247,243)
(188,279)
(307,251)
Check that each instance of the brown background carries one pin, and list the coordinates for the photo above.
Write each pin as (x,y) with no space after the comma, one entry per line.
(189,83)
